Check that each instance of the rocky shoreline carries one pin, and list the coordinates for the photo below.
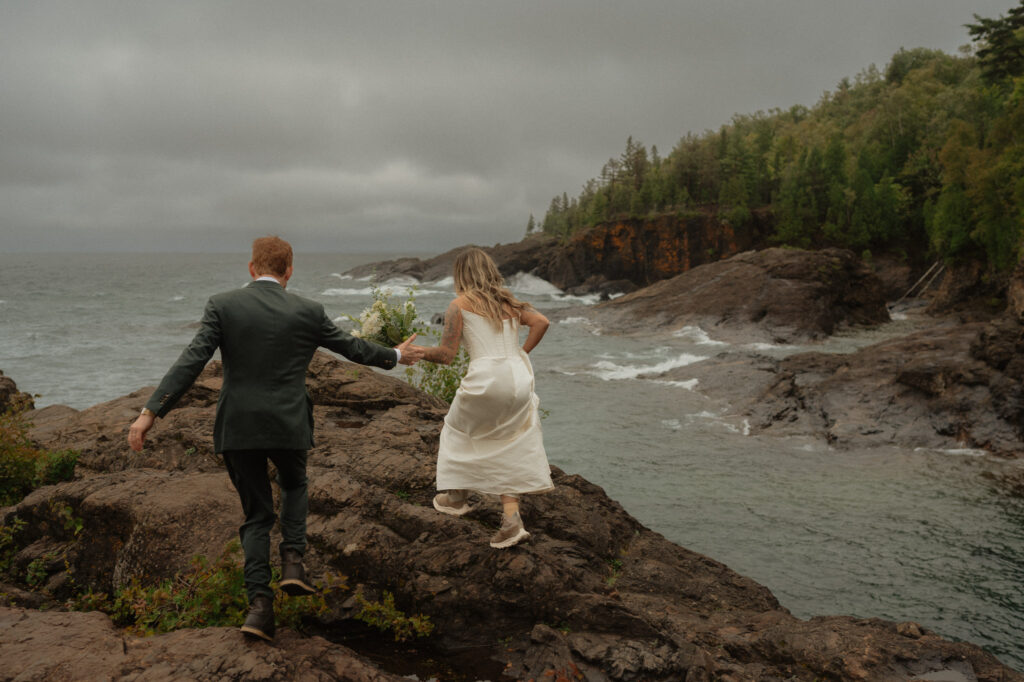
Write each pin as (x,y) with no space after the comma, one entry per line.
(593,595)
(608,259)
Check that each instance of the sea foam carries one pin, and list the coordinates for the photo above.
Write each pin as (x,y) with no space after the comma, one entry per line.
(697,335)
(531,285)
(608,370)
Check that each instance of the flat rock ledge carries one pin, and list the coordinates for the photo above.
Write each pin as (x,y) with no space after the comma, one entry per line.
(592,595)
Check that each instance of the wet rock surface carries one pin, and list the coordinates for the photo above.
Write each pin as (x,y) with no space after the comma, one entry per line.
(591,595)
(779,295)
(950,385)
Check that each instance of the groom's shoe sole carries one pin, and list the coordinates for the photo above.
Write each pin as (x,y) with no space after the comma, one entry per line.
(454,511)
(255,633)
(294,587)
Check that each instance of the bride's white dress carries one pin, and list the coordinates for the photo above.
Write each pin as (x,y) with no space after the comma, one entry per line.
(491,439)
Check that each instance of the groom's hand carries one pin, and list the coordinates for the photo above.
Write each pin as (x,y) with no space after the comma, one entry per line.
(410,354)
(138,430)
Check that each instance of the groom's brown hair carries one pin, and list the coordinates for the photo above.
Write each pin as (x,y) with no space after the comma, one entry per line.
(271,256)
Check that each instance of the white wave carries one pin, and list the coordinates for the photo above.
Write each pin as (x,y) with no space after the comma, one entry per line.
(746,427)
(574,320)
(769,346)
(697,335)
(347,292)
(672,424)
(612,297)
(962,452)
(531,285)
(340,276)
(897,316)
(689,384)
(444,283)
(178,298)
(608,370)
(401,281)
(586,299)
(703,415)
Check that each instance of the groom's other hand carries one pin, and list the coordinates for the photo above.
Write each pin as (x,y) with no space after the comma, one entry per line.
(138,430)
(410,354)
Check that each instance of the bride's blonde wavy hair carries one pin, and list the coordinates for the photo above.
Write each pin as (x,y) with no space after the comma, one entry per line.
(478,279)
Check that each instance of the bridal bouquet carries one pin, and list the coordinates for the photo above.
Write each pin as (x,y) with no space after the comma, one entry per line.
(389,324)
(384,323)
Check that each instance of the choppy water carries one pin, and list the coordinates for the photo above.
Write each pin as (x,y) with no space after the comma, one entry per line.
(895,533)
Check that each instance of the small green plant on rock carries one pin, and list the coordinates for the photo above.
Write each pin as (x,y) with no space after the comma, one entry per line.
(208,594)
(66,515)
(616,566)
(384,616)
(8,547)
(36,572)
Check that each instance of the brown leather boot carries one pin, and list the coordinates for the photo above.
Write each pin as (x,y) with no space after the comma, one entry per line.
(260,621)
(293,575)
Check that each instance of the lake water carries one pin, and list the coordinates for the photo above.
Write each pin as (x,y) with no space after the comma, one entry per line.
(896,533)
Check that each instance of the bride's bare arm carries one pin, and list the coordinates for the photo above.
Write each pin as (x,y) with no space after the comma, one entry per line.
(538,325)
(450,339)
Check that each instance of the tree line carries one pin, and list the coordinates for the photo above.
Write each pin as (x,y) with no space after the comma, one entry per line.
(925,157)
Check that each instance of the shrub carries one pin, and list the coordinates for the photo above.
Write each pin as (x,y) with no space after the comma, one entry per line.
(23,466)
(384,616)
(208,594)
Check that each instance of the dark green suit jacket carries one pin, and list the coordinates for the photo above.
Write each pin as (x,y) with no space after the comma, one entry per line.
(267,337)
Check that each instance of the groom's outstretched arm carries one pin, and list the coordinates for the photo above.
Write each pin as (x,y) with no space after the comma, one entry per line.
(180,376)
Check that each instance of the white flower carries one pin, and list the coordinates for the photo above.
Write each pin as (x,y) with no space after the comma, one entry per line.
(372,324)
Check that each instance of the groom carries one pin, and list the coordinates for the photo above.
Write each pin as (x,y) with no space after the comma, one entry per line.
(266,338)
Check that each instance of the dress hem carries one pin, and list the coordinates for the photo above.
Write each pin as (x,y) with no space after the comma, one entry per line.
(506,492)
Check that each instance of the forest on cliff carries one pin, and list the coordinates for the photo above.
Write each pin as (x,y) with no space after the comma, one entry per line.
(923,158)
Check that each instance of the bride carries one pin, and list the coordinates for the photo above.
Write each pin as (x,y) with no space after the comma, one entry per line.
(491,440)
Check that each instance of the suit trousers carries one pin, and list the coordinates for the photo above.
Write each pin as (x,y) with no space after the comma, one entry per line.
(248,472)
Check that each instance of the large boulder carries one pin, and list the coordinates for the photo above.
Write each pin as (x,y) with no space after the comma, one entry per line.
(780,294)
(592,595)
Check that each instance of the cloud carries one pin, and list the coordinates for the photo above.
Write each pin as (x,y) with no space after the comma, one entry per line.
(411,125)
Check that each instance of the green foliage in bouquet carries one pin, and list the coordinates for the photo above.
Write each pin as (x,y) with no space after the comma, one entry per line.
(390,323)
(440,380)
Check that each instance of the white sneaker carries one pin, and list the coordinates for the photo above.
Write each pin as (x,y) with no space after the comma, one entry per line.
(454,502)
(510,533)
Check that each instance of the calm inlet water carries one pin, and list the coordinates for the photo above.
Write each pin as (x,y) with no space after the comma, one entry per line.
(896,533)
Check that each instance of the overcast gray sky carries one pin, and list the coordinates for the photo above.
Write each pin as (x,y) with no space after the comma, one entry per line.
(399,126)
